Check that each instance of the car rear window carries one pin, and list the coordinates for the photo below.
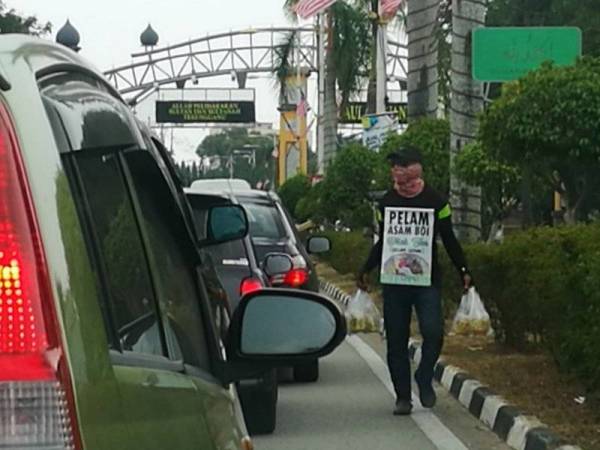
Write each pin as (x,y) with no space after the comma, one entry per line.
(265,221)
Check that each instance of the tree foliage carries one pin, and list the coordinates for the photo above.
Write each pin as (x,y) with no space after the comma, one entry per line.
(356,171)
(500,182)
(547,124)
(351,36)
(344,194)
(187,172)
(224,144)
(13,22)
(443,33)
(283,60)
(584,14)
(310,205)
(293,190)
(352,47)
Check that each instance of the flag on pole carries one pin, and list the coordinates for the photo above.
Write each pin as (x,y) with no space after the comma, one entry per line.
(302,106)
(389,8)
(308,8)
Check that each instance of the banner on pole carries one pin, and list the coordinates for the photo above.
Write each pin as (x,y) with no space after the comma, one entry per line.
(377,127)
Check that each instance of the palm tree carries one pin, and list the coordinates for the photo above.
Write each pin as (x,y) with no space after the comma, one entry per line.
(421,24)
(348,52)
(466,104)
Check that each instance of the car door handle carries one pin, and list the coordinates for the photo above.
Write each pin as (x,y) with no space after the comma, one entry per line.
(151,381)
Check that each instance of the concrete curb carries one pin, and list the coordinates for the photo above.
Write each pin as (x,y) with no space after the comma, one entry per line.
(520,431)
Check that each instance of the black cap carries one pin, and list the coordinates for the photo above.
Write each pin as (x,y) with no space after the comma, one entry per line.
(405,157)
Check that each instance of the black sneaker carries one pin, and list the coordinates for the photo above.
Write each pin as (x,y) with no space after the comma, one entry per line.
(426,393)
(403,407)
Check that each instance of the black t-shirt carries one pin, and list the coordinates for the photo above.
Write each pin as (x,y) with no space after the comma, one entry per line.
(427,199)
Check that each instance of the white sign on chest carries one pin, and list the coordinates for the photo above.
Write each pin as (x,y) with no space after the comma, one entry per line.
(407,246)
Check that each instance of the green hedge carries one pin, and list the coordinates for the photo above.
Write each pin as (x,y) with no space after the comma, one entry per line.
(541,287)
(349,251)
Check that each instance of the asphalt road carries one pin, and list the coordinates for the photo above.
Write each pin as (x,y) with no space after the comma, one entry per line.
(350,408)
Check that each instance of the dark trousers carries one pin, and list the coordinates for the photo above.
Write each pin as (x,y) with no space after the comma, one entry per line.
(397,313)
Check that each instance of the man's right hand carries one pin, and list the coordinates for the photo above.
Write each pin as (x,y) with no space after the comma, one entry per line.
(362,281)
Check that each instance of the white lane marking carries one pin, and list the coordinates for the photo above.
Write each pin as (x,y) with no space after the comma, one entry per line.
(430,425)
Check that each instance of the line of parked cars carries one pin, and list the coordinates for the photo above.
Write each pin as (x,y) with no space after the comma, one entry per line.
(116,327)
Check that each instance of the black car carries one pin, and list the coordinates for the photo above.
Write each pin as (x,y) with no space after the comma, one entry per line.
(272,231)
(239,273)
(235,261)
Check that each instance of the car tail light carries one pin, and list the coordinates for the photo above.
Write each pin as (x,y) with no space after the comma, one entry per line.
(36,400)
(250,285)
(295,278)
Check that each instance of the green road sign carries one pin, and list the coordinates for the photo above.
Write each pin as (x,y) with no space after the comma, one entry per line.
(506,54)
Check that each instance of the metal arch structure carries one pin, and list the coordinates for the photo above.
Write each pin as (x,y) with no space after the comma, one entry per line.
(240,52)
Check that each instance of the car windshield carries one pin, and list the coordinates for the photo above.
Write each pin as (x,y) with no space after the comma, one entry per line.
(265,221)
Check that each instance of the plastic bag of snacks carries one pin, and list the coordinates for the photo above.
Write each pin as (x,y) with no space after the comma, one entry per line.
(362,315)
(471,317)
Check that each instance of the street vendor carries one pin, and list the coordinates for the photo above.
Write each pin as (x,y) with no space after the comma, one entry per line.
(411,217)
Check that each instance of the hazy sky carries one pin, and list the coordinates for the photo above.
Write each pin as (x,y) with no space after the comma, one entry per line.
(110,31)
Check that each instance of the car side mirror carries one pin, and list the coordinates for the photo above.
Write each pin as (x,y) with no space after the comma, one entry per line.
(277,264)
(318,244)
(225,223)
(281,327)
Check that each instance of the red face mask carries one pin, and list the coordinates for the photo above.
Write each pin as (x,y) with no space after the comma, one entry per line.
(408,181)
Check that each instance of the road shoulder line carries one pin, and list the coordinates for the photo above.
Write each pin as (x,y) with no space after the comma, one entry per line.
(439,435)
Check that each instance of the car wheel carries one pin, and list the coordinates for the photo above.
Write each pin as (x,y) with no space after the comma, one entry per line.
(259,404)
(307,373)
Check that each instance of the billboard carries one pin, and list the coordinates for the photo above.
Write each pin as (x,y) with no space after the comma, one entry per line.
(355,111)
(196,111)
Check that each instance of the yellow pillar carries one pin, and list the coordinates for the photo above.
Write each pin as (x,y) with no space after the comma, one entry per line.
(293,142)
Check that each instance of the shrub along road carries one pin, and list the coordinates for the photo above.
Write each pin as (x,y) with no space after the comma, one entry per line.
(529,380)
